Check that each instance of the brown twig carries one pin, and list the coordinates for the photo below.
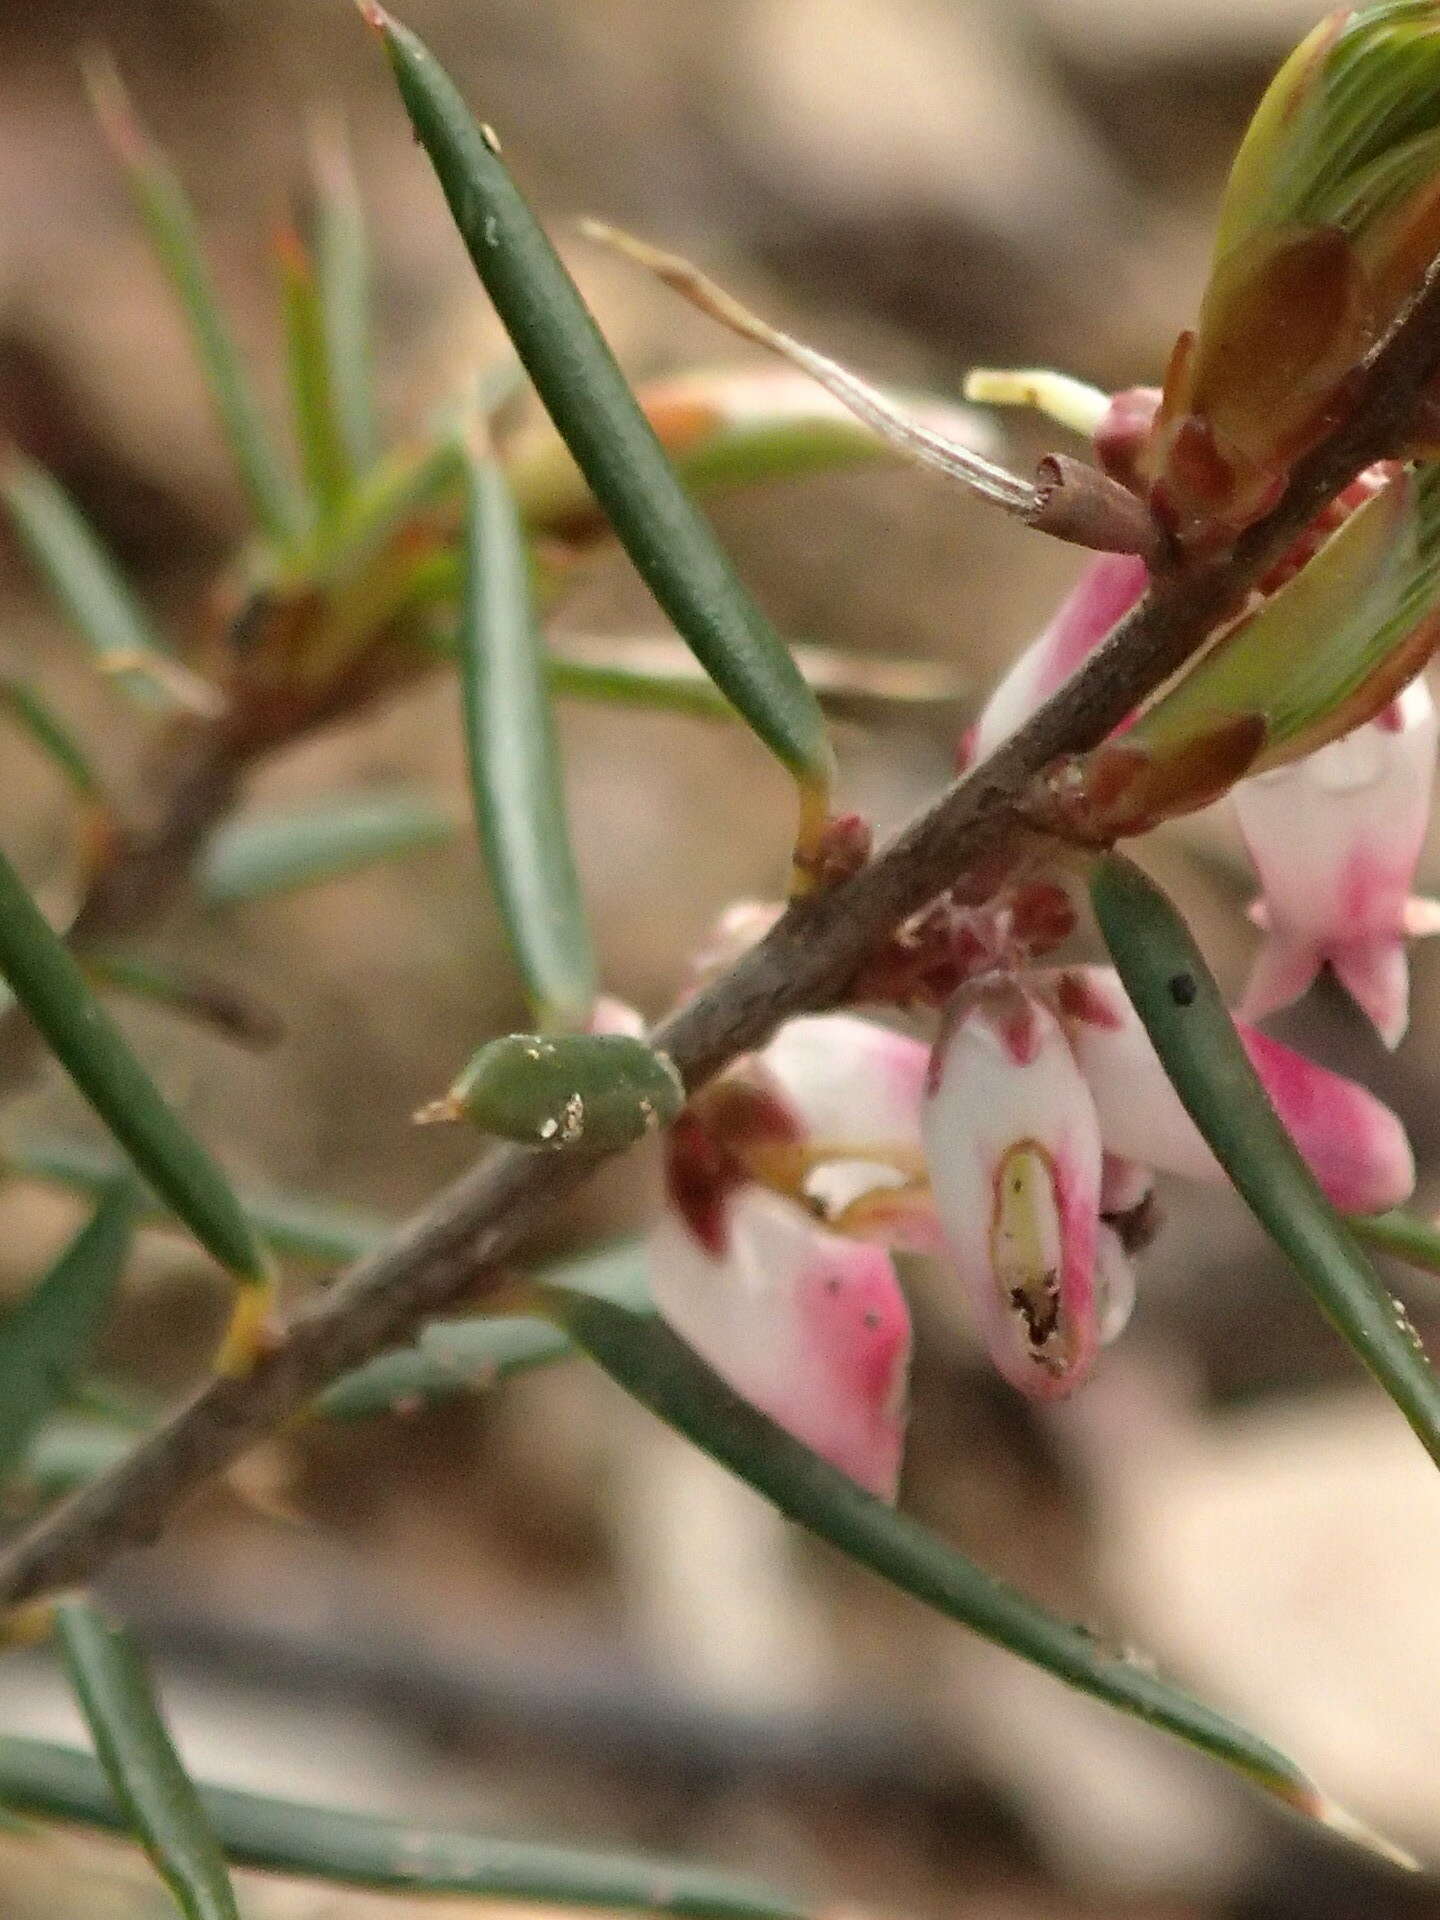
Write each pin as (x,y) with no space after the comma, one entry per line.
(976,832)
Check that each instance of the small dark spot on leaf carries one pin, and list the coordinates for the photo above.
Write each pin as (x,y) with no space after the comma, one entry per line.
(1183,989)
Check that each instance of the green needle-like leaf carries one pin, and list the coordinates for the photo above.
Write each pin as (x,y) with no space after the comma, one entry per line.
(50,986)
(600,420)
(51,735)
(147,1778)
(170,222)
(1403,1235)
(477,1353)
(659,673)
(1176,996)
(286,850)
(341,253)
(319,431)
(46,1341)
(659,1370)
(514,759)
(89,587)
(356,1849)
(324,1231)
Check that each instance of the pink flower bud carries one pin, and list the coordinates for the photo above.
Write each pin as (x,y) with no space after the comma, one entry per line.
(1354,1145)
(1335,838)
(1106,590)
(1013,1145)
(810,1328)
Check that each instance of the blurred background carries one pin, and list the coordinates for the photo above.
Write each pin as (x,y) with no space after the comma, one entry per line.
(538,1612)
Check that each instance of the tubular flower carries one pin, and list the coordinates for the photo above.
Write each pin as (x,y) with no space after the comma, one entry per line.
(809,1327)
(1013,1144)
(1354,1145)
(829,1114)
(1335,839)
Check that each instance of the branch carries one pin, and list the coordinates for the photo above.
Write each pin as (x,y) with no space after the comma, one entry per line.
(976,832)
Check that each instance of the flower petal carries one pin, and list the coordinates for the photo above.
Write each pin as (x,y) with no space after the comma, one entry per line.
(811,1328)
(1013,1144)
(1354,1145)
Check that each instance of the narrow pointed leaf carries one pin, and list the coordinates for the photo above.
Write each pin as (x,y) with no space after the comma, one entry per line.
(600,420)
(476,1353)
(156,1800)
(47,1339)
(410,493)
(516,782)
(324,1231)
(170,222)
(319,432)
(49,984)
(659,1370)
(356,1849)
(1176,996)
(69,1452)
(51,735)
(1405,1236)
(340,247)
(283,851)
(90,589)
(659,673)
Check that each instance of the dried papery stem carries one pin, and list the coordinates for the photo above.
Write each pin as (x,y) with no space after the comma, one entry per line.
(1070,501)
(974,836)
(919,443)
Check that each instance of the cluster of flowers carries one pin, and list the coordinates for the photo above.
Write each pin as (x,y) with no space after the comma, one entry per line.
(1020,1148)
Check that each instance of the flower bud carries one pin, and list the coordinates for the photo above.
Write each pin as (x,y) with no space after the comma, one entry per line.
(1328,225)
(600,1090)
(1335,839)
(1013,1145)
(810,1328)
(1353,1144)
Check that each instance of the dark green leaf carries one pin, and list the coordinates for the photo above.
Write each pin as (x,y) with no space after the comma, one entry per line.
(280,852)
(342,274)
(174,234)
(319,432)
(50,986)
(355,1849)
(1176,996)
(146,1776)
(514,759)
(92,592)
(600,420)
(46,1341)
(321,1230)
(51,736)
(660,1371)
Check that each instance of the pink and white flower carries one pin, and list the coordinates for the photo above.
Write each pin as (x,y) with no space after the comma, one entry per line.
(808,1326)
(1013,1144)
(1354,1145)
(1335,839)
